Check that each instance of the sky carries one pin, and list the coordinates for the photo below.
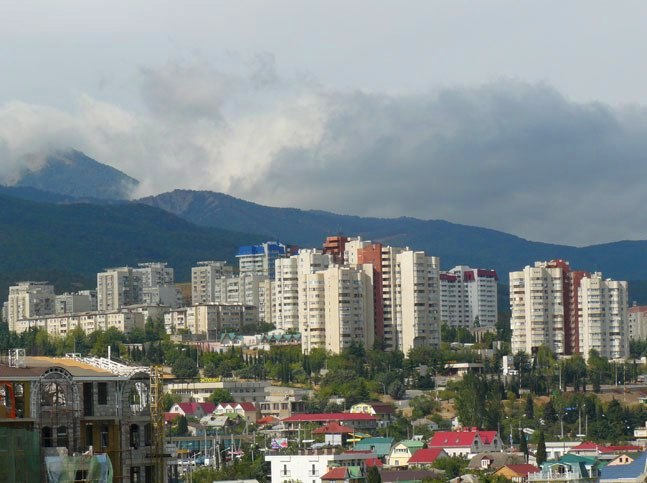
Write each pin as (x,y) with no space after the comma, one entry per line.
(526,117)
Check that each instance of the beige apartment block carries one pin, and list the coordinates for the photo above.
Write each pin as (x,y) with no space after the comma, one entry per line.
(604,320)
(336,309)
(417,300)
(211,320)
(638,322)
(204,278)
(60,325)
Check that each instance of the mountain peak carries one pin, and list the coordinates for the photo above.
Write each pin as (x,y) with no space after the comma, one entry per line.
(71,172)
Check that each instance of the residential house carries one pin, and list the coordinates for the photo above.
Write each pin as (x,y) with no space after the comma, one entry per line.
(492,461)
(633,472)
(402,452)
(309,466)
(570,468)
(193,409)
(466,442)
(246,410)
(425,457)
(379,445)
(334,433)
(516,473)
(345,474)
(358,422)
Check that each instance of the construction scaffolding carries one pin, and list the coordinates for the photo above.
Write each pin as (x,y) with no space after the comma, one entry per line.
(19,455)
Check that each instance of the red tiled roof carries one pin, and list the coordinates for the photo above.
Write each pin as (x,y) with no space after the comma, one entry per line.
(325,417)
(523,469)
(425,455)
(267,420)
(247,406)
(373,462)
(333,428)
(452,439)
(487,436)
(338,473)
(207,407)
(171,416)
(189,408)
(586,445)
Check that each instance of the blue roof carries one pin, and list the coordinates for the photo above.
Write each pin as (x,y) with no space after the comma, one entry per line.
(272,247)
(630,471)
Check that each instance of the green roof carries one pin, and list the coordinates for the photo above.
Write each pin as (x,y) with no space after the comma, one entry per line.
(380,446)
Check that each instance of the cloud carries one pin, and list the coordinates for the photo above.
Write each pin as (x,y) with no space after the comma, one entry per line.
(507,155)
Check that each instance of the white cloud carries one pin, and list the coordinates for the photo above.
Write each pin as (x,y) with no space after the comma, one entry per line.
(508,155)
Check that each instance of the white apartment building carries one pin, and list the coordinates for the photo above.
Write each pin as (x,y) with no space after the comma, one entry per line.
(260,259)
(336,308)
(289,273)
(59,325)
(389,296)
(537,303)
(417,300)
(211,320)
(29,299)
(603,317)
(70,303)
(117,287)
(570,312)
(638,322)
(204,278)
(468,297)
(351,249)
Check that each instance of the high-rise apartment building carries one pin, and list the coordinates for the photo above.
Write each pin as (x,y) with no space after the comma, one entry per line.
(417,296)
(468,297)
(246,289)
(288,284)
(603,317)
(336,308)
(638,322)
(71,303)
(550,308)
(204,278)
(27,300)
(118,287)
(260,259)
(335,246)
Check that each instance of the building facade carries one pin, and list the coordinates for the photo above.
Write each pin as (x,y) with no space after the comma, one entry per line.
(468,297)
(117,287)
(204,277)
(29,299)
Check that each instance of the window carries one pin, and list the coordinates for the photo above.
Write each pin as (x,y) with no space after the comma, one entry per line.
(61,437)
(46,433)
(104,437)
(134,436)
(102,393)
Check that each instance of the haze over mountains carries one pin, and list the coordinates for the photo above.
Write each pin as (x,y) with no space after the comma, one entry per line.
(126,234)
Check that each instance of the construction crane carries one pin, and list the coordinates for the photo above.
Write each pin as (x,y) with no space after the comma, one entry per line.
(157,422)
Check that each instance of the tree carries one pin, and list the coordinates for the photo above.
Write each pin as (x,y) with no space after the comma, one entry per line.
(184,368)
(220,396)
(181,426)
(530,407)
(453,466)
(396,390)
(541,455)
(523,444)
(373,475)
(167,400)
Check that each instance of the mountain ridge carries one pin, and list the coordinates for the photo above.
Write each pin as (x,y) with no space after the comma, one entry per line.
(454,243)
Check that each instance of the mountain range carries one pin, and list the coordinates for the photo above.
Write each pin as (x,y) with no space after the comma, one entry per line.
(184,226)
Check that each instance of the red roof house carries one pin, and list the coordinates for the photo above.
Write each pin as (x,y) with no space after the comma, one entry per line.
(426,456)
(466,442)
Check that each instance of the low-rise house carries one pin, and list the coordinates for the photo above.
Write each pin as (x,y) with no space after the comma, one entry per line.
(633,472)
(402,452)
(492,461)
(516,473)
(569,468)
(193,409)
(384,412)
(402,476)
(309,466)
(425,457)
(246,410)
(602,452)
(345,474)
(379,445)
(466,442)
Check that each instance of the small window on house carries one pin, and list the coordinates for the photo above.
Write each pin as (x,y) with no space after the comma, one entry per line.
(102,393)
(134,436)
